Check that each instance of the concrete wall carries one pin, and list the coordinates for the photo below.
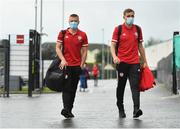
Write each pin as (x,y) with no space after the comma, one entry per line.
(164,71)
(156,52)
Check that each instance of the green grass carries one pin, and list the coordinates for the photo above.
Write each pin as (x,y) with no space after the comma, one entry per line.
(25,91)
(47,90)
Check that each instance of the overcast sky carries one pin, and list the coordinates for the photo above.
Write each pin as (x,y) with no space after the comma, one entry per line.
(158,18)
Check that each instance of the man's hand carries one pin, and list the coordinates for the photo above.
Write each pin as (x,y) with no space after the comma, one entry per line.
(116,60)
(81,66)
(145,65)
(62,64)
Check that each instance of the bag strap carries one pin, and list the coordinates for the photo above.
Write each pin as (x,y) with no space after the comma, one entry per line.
(63,35)
(119,34)
(138,31)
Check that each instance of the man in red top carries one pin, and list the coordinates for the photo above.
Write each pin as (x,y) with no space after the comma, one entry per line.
(128,61)
(73,57)
(95,72)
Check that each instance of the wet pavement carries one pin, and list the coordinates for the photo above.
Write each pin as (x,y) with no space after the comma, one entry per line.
(95,108)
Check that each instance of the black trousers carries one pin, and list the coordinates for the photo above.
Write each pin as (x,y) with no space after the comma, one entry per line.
(131,72)
(70,87)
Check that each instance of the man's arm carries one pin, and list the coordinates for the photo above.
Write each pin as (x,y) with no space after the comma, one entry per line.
(83,55)
(143,55)
(113,53)
(60,55)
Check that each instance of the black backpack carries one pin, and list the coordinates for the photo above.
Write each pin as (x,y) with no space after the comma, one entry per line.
(119,33)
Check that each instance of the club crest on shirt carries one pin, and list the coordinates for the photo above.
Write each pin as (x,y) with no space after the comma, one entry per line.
(124,34)
(136,34)
(79,38)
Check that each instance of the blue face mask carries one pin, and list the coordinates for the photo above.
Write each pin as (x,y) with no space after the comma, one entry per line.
(130,20)
(73,25)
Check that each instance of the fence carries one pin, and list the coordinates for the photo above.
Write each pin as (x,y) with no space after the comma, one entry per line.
(4,67)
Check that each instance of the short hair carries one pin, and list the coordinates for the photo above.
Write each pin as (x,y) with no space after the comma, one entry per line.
(74,15)
(128,11)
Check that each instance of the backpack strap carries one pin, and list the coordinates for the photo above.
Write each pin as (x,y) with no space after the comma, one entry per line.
(63,35)
(119,33)
(138,31)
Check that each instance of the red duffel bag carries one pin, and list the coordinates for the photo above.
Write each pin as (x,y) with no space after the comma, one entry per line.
(147,80)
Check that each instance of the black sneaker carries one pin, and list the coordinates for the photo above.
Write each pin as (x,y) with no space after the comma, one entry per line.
(137,113)
(122,114)
(71,115)
(67,114)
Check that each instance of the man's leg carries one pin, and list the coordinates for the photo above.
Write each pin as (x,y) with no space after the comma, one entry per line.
(74,84)
(69,90)
(86,85)
(96,78)
(66,95)
(122,69)
(134,79)
(66,89)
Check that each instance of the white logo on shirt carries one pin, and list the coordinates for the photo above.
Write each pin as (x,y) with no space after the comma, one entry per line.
(79,38)
(124,34)
(66,37)
(136,34)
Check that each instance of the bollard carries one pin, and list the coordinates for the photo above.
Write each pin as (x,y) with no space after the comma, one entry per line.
(174,88)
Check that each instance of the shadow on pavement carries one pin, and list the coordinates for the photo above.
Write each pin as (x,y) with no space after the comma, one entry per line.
(126,123)
(138,123)
(68,123)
